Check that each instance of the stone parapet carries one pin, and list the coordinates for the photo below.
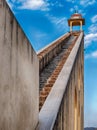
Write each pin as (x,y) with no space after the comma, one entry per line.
(49,52)
(63,108)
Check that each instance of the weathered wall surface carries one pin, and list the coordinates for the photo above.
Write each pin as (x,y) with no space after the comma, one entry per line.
(19,76)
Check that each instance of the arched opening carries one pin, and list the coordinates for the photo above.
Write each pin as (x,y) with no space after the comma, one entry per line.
(75,112)
(76,26)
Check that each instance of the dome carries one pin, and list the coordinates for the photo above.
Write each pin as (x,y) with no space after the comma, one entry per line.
(76,16)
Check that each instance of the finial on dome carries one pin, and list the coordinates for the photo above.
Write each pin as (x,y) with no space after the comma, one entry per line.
(76,11)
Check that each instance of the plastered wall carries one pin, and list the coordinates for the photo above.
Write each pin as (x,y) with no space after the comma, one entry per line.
(19,75)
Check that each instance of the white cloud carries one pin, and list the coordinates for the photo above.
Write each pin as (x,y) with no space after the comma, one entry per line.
(91,55)
(87,2)
(34,5)
(43,5)
(60,23)
(57,4)
(94,19)
(72,1)
(29,4)
(93,28)
(92,35)
(72,10)
(94,54)
(89,38)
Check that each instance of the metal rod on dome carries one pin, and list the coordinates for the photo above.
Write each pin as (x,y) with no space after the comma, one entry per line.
(76,10)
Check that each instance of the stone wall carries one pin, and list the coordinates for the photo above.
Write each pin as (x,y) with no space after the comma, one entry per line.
(49,52)
(64,106)
(19,76)
(71,111)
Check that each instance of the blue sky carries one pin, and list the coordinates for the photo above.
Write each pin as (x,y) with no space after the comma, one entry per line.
(45,20)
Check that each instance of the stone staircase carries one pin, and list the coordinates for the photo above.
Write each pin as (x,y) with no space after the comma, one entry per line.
(51,71)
